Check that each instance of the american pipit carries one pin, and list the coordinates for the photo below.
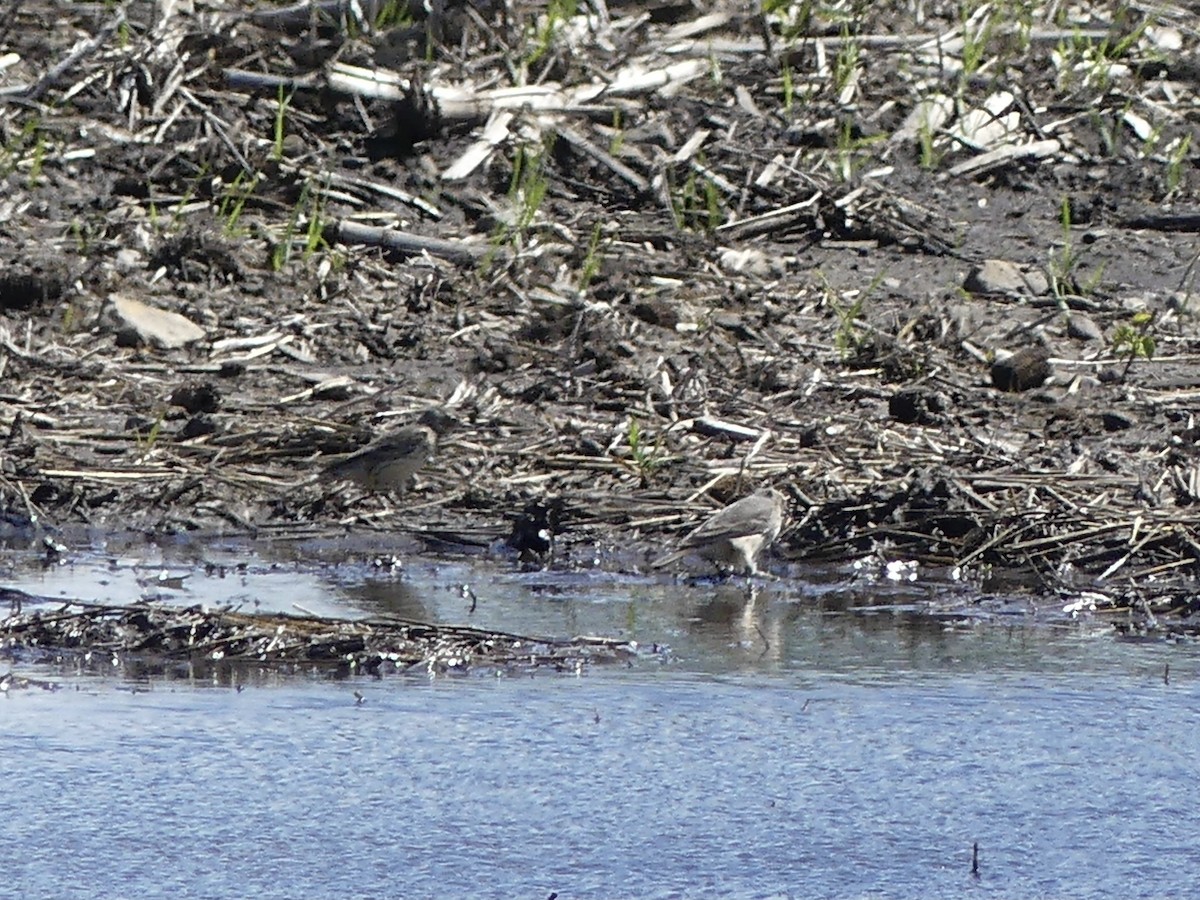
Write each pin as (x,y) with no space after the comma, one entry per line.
(389,462)
(737,535)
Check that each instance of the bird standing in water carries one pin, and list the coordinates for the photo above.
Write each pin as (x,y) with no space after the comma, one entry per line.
(737,535)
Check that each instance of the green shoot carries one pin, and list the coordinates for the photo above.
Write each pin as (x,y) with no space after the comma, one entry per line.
(976,38)
(558,13)
(846,63)
(1175,161)
(1065,261)
(281,106)
(795,19)
(1134,338)
(309,206)
(233,201)
(618,138)
(715,71)
(181,206)
(39,157)
(315,236)
(591,262)
(147,443)
(527,189)
(391,14)
(698,204)
(645,459)
(528,186)
(848,337)
(929,155)
(1063,269)
(70,318)
(849,148)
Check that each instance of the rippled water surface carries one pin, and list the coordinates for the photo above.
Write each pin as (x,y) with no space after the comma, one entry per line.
(787,750)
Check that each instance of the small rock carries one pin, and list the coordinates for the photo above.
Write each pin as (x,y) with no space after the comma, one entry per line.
(1115,421)
(139,424)
(198,397)
(999,276)
(927,117)
(26,284)
(734,323)
(294,146)
(1180,301)
(657,311)
(396,46)
(990,124)
(134,323)
(1165,39)
(752,262)
(1025,369)
(197,426)
(1082,328)
(129,259)
(913,406)
(964,319)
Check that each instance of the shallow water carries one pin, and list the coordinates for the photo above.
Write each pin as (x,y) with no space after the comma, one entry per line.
(785,750)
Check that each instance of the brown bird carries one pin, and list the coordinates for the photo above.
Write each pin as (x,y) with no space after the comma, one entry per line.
(737,535)
(388,463)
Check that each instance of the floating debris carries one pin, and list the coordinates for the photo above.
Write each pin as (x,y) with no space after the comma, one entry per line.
(163,633)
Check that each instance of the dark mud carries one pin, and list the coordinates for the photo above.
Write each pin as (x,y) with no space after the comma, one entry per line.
(635,307)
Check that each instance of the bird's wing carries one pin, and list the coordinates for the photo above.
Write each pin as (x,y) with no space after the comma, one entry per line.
(747,516)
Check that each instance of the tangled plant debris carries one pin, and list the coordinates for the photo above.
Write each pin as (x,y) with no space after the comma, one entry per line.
(134,634)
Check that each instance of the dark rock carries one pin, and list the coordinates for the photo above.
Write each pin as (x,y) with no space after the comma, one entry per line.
(1025,369)
(197,426)
(657,311)
(1114,421)
(198,397)
(28,284)
(914,406)
(139,424)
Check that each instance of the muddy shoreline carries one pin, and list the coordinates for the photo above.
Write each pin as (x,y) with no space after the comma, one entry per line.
(755,265)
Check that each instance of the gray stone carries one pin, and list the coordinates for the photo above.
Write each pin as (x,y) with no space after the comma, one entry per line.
(999,276)
(1082,328)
